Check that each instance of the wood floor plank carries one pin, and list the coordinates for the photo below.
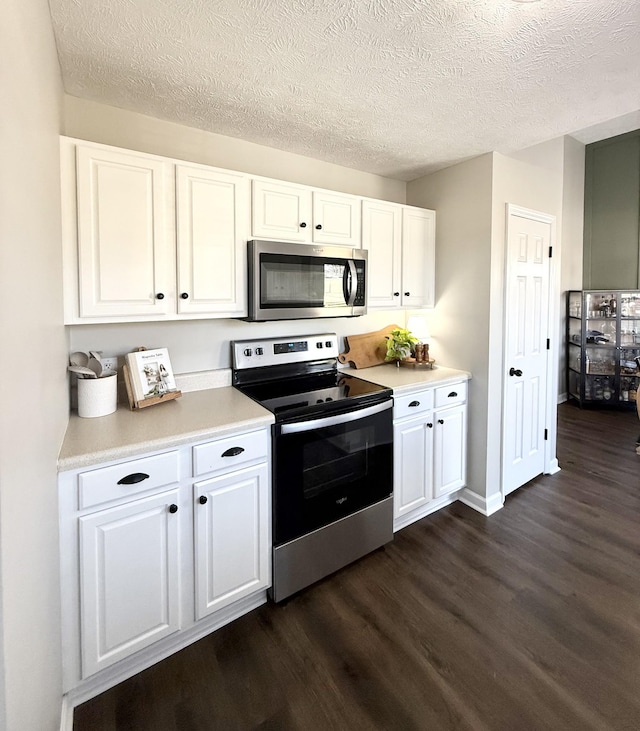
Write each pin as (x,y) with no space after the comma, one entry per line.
(528,620)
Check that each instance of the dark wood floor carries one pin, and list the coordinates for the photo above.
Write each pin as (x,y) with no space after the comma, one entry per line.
(526,620)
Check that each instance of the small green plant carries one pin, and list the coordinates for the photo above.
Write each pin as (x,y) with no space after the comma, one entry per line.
(399,344)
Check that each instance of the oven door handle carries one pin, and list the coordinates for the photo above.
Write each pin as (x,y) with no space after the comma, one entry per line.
(302,426)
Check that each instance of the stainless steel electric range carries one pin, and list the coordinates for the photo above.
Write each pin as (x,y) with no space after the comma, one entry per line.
(332,456)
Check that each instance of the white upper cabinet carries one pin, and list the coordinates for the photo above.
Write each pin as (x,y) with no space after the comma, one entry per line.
(149,238)
(401,244)
(289,212)
(418,257)
(211,215)
(336,219)
(382,237)
(281,211)
(124,243)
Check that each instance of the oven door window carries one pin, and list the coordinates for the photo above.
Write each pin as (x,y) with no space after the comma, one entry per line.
(324,474)
(302,281)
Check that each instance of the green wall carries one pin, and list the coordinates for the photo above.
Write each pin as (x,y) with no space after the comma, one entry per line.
(612,213)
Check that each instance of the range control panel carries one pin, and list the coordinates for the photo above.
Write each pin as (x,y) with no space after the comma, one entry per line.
(274,351)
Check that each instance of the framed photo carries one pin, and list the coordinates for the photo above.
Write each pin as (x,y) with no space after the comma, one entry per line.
(151,374)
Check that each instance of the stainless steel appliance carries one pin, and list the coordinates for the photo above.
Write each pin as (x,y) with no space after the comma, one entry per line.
(332,452)
(301,281)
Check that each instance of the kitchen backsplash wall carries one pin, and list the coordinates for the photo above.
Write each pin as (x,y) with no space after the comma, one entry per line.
(202,345)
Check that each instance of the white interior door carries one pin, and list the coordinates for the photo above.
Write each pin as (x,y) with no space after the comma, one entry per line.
(526,354)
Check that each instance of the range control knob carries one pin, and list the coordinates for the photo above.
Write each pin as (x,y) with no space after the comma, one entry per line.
(259,351)
(248,351)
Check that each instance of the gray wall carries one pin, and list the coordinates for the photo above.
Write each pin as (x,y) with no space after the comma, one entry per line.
(34,408)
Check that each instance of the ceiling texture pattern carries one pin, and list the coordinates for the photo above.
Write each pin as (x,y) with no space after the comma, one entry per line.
(395,87)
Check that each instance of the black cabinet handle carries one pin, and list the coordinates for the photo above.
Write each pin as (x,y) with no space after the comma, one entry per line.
(159,296)
(319,226)
(203,499)
(396,294)
(440,421)
(453,394)
(133,478)
(515,372)
(233,452)
(303,225)
(407,294)
(173,508)
(414,403)
(185,295)
(430,425)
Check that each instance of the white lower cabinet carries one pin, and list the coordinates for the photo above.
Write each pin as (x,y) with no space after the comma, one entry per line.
(158,551)
(129,578)
(430,446)
(231,538)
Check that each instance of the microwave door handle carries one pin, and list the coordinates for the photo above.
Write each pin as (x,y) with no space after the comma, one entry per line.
(302,426)
(352,277)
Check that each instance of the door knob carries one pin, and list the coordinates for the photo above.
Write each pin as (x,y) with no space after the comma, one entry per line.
(515,372)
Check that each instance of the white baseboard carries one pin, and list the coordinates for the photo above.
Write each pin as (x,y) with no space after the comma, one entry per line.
(562,397)
(66,715)
(553,467)
(144,659)
(486,506)
(432,507)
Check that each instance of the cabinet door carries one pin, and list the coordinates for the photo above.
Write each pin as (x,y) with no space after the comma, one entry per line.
(412,458)
(418,258)
(280,211)
(125,245)
(212,211)
(336,219)
(232,537)
(450,440)
(129,564)
(381,236)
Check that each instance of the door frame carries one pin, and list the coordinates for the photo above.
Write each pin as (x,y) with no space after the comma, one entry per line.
(551,402)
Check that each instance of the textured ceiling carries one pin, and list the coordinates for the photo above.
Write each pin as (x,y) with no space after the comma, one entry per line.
(394,87)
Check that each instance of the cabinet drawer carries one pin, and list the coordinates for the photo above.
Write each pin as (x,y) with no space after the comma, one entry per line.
(449,395)
(229,452)
(127,479)
(413,404)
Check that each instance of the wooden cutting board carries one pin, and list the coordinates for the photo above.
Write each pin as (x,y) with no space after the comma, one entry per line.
(366,350)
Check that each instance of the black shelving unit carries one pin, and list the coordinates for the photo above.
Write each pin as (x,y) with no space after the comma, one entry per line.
(603,343)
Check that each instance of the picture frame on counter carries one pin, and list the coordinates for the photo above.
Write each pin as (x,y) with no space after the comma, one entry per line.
(149,377)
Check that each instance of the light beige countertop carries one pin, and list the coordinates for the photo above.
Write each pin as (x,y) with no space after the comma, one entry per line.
(194,416)
(406,380)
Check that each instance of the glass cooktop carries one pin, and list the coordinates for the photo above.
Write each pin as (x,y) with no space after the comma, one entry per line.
(320,392)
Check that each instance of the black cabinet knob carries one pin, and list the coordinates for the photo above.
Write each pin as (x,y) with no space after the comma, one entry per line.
(319,226)
(303,225)
(159,296)
(440,421)
(407,294)
(396,294)
(202,499)
(185,295)
(430,425)
(133,478)
(173,508)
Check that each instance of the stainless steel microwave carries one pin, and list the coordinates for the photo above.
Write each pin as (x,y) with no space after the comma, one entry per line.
(302,281)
